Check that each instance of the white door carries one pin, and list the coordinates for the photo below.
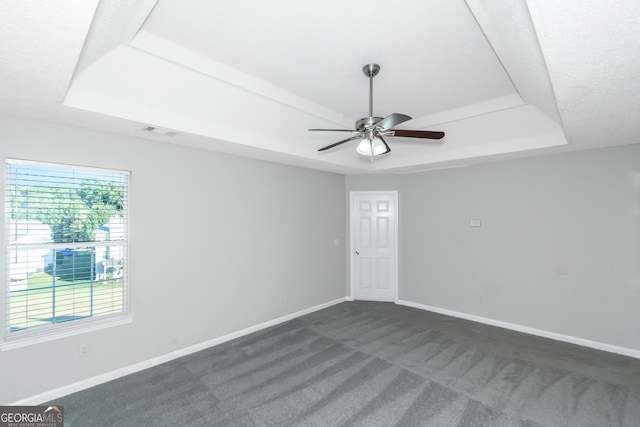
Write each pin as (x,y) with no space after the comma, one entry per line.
(374,255)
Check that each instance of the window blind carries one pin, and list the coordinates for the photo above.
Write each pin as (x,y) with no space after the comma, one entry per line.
(66,237)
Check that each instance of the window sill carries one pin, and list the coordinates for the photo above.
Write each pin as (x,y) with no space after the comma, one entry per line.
(66,331)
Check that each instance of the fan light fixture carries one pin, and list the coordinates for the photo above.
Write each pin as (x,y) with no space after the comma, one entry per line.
(372,146)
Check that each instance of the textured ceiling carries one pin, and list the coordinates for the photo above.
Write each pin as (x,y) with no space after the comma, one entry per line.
(502,79)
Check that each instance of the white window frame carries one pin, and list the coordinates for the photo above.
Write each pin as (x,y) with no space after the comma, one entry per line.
(11,340)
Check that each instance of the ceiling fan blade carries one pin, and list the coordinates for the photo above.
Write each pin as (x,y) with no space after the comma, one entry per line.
(428,134)
(385,144)
(332,130)
(340,142)
(392,120)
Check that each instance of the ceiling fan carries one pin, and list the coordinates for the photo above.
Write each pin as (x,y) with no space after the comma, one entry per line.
(371,130)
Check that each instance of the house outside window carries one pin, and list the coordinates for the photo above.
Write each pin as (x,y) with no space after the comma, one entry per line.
(66,250)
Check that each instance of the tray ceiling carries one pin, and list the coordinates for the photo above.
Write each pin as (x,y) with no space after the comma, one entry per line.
(502,79)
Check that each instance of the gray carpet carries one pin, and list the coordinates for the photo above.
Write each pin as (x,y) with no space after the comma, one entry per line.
(373,364)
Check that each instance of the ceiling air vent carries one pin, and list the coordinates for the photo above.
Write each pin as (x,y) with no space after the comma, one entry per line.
(160,131)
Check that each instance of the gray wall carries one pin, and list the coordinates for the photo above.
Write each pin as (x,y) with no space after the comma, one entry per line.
(557,251)
(218,243)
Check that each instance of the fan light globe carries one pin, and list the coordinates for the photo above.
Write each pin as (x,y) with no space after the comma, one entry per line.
(378,147)
(364,147)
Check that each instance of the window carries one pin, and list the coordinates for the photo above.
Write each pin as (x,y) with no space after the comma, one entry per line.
(66,248)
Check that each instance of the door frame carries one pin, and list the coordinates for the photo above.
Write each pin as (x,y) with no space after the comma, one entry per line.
(394,278)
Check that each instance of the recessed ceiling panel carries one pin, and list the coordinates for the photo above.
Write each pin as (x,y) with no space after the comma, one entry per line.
(434,56)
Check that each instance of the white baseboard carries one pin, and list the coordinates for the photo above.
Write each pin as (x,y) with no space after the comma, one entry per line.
(127,370)
(527,330)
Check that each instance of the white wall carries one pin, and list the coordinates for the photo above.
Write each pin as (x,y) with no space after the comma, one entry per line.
(558,249)
(218,243)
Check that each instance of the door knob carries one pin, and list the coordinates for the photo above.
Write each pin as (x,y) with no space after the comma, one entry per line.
(357,253)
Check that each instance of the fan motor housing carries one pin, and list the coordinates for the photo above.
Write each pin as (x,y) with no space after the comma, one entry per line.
(367,123)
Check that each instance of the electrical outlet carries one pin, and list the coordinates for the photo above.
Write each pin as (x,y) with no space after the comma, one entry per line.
(84,350)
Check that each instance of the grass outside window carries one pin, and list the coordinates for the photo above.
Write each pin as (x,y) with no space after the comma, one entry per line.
(47,301)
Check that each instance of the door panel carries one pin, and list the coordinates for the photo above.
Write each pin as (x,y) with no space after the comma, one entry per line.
(374,245)
(365,232)
(382,232)
(383,274)
(365,269)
